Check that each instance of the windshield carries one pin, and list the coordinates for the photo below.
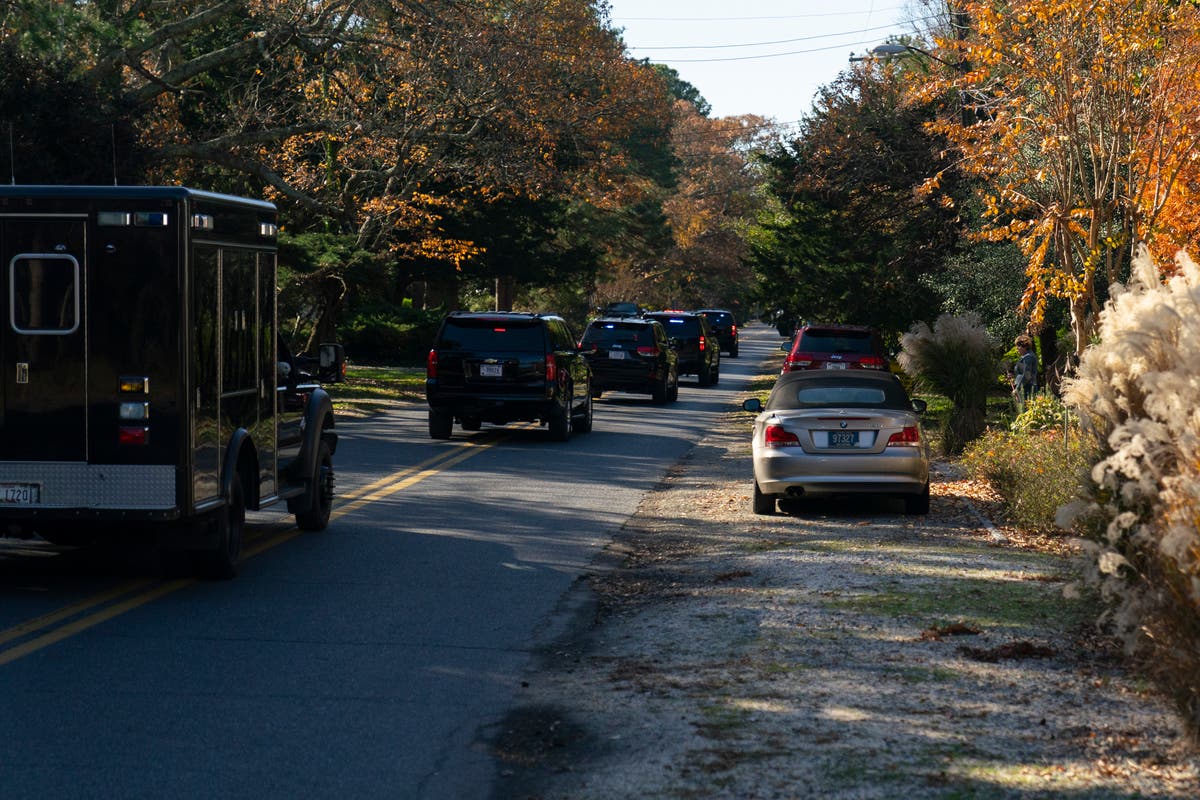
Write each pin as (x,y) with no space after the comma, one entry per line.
(493,334)
(838,393)
(818,341)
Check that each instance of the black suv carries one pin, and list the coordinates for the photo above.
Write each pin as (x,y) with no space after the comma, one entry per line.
(724,325)
(694,342)
(632,355)
(501,367)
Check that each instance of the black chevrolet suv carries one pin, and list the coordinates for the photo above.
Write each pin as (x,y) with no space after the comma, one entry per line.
(694,342)
(632,355)
(724,325)
(500,367)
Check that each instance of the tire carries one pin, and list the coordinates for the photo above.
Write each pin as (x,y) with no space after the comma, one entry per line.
(583,423)
(441,423)
(704,376)
(316,517)
(715,376)
(673,389)
(733,351)
(560,421)
(221,562)
(917,503)
(471,424)
(763,503)
(661,390)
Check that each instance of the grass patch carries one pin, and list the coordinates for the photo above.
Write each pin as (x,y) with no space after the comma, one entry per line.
(983,603)
(367,389)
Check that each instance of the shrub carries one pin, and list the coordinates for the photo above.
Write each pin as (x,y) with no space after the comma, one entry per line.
(389,334)
(1138,392)
(954,359)
(1035,470)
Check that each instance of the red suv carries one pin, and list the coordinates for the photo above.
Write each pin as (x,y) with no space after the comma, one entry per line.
(836,347)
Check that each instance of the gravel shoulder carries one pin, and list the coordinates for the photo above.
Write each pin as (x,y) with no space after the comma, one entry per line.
(834,650)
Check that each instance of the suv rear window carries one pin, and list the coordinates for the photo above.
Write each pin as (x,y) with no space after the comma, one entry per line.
(815,340)
(679,326)
(493,334)
(612,332)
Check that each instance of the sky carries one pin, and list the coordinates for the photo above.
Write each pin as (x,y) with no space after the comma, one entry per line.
(765,57)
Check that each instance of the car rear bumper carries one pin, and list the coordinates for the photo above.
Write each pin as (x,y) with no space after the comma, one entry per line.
(897,471)
(496,408)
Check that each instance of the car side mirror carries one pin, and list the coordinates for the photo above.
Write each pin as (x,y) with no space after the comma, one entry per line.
(919,406)
(753,405)
(786,346)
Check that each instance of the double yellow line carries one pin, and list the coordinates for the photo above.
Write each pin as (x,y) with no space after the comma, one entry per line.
(75,618)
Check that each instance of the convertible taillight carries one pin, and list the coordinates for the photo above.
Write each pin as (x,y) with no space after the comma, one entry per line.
(779,436)
(909,437)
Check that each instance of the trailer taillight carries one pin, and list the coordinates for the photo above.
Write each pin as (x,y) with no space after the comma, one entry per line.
(135,411)
(131,435)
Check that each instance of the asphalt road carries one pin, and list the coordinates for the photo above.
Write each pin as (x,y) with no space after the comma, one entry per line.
(364,661)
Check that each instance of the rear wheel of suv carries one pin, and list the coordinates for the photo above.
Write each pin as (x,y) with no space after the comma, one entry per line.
(673,389)
(583,423)
(733,351)
(715,376)
(560,421)
(662,390)
(704,376)
(441,423)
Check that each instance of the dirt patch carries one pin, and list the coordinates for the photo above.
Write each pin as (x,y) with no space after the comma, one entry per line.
(820,653)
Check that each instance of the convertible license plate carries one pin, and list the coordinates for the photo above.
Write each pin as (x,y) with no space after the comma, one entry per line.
(617,354)
(491,370)
(843,438)
(20,494)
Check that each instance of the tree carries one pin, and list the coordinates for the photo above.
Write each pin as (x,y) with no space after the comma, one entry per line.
(1082,132)
(847,238)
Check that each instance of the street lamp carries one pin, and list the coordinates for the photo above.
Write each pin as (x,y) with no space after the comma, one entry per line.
(890,49)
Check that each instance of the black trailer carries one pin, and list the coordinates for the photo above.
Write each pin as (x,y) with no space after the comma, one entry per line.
(144,389)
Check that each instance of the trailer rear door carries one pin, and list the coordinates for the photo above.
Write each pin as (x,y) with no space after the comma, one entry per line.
(43,403)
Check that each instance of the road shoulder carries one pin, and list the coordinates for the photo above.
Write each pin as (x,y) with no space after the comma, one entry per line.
(835,650)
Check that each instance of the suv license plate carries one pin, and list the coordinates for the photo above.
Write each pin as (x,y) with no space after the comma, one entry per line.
(843,438)
(491,370)
(20,494)
(617,354)
(835,365)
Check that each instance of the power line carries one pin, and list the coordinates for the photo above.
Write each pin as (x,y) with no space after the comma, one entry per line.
(763,44)
(758,19)
(773,55)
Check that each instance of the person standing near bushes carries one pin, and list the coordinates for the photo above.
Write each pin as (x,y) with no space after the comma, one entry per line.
(1025,371)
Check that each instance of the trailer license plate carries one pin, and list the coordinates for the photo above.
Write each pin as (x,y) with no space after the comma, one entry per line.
(20,494)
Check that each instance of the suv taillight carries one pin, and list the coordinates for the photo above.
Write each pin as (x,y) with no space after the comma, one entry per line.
(797,361)
(733,330)
(872,362)
(701,343)
(551,368)
(431,365)
(648,350)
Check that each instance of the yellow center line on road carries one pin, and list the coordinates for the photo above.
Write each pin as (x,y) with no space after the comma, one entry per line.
(396,482)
